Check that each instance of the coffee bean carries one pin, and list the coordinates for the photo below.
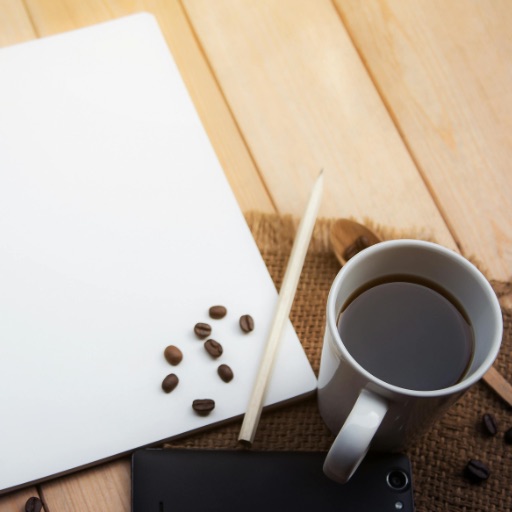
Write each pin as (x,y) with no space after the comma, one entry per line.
(508,436)
(214,348)
(489,424)
(203,406)
(246,323)
(476,471)
(217,312)
(173,355)
(202,330)
(33,505)
(359,244)
(225,372)
(170,382)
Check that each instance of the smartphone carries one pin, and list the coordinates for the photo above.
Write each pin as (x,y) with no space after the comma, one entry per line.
(177,480)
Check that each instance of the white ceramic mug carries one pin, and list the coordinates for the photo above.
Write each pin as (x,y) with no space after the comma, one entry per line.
(365,411)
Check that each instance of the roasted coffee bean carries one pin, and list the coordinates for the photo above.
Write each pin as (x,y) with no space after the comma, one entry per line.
(214,348)
(203,406)
(508,436)
(476,471)
(489,424)
(217,312)
(359,244)
(246,323)
(33,505)
(225,372)
(170,382)
(202,330)
(173,355)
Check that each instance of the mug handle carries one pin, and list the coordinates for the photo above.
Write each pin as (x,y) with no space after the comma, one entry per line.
(353,440)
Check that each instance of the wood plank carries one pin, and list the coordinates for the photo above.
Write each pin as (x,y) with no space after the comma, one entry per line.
(15,501)
(15,25)
(55,16)
(304,101)
(100,489)
(443,68)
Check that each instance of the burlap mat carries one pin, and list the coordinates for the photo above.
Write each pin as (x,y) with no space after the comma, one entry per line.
(439,457)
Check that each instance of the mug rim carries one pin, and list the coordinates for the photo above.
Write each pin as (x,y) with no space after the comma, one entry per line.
(342,351)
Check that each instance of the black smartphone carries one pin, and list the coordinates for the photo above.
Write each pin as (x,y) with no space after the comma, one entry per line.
(176,480)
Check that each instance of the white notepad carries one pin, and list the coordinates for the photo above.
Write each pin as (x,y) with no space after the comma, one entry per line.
(118,230)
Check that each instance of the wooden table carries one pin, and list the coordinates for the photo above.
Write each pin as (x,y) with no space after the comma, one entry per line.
(407,105)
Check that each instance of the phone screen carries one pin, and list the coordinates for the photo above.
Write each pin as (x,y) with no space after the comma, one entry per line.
(172,480)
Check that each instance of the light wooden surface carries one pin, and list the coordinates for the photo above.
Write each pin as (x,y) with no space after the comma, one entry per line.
(444,71)
(407,105)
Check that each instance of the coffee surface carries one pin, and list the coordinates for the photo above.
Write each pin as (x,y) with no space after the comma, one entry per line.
(408,334)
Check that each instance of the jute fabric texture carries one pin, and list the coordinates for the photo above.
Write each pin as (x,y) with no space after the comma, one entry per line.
(438,457)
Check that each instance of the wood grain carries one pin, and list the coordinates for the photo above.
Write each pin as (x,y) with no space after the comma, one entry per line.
(443,68)
(304,101)
(15,501)
(101,489)
(15,25)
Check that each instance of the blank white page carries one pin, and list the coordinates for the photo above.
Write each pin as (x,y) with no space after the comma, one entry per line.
(118,230)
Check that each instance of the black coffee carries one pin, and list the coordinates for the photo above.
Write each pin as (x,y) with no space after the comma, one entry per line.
(408,332)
